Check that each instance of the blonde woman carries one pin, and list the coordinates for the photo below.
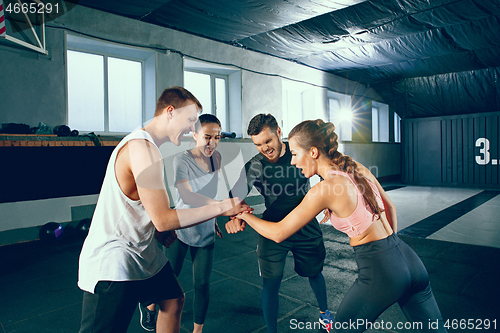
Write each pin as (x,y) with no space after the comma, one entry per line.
(389,270)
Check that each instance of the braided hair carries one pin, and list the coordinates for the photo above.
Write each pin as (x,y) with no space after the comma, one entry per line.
(320,134)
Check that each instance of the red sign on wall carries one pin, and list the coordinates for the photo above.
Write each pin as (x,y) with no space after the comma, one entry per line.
(2,20)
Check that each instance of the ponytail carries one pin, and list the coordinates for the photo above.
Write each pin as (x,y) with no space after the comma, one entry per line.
(317,133)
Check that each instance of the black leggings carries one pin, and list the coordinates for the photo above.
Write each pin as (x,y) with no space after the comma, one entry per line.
(202,258)
(389,271)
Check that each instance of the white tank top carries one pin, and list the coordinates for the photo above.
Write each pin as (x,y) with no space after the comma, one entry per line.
(120,245)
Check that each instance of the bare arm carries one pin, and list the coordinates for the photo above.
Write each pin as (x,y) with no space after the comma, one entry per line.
(312,204)
(248,177)
(390,208)
(182,175)
(192,198)
(147,169)
(197,200)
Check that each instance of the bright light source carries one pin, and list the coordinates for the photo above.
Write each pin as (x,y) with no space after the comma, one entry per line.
(345,114)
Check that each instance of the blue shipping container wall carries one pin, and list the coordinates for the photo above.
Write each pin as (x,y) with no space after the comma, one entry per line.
(452,151)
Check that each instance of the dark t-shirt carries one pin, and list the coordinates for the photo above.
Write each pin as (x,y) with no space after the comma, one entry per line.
(283,187)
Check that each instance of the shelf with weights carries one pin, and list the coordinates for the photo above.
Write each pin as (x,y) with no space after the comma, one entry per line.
(52,140)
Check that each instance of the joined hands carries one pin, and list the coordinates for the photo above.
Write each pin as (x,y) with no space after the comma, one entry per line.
(236,222)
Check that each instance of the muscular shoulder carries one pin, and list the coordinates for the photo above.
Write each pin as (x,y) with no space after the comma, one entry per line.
(257,159)
(333,185)
(255,163)
(141,145)
(365,171)
(135,148)
(323,192)
(142,154)
(338,193)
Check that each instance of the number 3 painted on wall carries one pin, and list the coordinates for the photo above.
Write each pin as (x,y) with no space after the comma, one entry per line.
(485,159)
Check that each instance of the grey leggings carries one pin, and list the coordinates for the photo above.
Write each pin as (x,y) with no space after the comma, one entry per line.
(389,271)
(202,258)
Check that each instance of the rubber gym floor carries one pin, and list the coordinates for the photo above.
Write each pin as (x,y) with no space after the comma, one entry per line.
(457,240)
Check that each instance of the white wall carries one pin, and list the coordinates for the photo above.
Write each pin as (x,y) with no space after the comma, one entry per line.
(260,94)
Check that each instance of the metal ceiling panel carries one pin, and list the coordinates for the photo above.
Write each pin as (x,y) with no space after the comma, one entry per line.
(400,44)
(232,20)
(449,94)
(454,13)
(476,34)
(130,8)
(489,57)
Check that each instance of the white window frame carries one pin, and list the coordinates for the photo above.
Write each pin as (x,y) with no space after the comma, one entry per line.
(213,107)
(380,122)
(232,78)
(147,58)
(375,127)
(300,101)
(292,113)
(343,127)
(397,128)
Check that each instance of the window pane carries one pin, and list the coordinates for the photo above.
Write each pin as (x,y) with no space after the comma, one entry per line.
(397,127)
(199,85)
(85,91)
(220,102)
(383,123)
(334,106)
(375,124)
(124,95)
(341,117)
(346,127)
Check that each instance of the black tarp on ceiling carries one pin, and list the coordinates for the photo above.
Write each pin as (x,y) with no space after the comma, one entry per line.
(424,57)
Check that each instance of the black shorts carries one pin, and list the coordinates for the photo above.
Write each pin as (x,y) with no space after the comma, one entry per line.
(308,255)
(113,303)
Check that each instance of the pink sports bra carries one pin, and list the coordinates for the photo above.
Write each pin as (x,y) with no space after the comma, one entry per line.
(362,217)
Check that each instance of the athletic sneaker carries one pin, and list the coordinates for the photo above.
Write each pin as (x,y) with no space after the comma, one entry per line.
(326,319)
(148,318)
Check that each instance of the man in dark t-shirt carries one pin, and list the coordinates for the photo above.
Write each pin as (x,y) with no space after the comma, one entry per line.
(283,187)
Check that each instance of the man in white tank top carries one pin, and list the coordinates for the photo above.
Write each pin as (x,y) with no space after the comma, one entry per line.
(121,264)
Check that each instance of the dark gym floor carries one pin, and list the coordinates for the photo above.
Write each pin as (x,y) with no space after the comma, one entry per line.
(38,291)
